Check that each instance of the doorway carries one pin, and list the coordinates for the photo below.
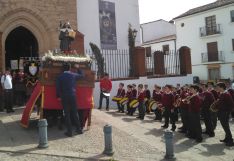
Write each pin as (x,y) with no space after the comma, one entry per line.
(20,43)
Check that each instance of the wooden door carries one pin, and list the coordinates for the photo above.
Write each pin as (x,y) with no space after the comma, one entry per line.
(212,51)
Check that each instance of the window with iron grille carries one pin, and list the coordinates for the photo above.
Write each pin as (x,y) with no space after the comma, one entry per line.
(165,49)
(232,44)
(232,16)
(211,25)
(148,51)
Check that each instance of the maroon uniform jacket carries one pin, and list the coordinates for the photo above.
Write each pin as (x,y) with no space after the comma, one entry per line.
(147,94)
(157,96)
(215,94)
(168,100)
(195,104)
(225,102)
(183,95)
(141,96)
(208,99)
(120,93)
(129,95)
(134,93)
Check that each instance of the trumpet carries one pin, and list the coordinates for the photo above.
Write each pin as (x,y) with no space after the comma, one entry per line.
(214,106)
(187,99)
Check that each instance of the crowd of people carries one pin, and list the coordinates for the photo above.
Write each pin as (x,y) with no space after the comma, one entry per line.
(192,103)
(13,91)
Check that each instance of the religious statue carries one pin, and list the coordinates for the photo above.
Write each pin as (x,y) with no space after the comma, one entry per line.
(66,36)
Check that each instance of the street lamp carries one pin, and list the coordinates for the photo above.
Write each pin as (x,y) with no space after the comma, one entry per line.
(134,33)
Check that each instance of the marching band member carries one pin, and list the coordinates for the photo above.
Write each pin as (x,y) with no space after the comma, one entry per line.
(184,110)
(176,93)
(105,87)
(157,96)
(120,94)
(207,100)
(167,102)
(225,105)
(194,130)
(140,98)
(134,96)
(147,97)
(129,95)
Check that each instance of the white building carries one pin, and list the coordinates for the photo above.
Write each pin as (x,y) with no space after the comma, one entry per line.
(158,35)
(125,12)
(209,32)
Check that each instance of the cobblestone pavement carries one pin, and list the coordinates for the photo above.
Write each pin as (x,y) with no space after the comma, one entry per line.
(133,140)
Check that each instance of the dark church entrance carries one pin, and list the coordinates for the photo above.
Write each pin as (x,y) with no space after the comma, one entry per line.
(20,43)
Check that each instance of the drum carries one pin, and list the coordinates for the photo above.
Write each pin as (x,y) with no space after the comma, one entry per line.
(72,34)
(116,99)
(124,101)
(134,103)
(153,105)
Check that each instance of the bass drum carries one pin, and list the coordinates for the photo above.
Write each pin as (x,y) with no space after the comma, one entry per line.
(153,105)
(116,99)
(134,103)
(124,101)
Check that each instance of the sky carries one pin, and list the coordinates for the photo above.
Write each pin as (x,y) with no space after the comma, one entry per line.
(151,10)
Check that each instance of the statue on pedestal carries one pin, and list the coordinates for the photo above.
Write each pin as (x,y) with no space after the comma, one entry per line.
(66,36)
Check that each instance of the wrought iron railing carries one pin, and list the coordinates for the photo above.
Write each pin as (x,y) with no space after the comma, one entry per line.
(210,30)
(212,57)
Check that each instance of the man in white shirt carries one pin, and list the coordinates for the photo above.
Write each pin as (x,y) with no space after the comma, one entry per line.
(6,81)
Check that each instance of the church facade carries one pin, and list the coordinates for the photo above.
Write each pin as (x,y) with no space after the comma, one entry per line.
(30,27)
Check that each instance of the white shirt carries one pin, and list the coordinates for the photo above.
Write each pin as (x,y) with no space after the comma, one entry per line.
(6,81)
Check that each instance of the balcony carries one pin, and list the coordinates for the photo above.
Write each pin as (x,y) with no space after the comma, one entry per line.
(207,30)
(212,57)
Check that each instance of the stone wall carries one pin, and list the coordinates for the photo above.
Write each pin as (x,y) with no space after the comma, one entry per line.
(41,17)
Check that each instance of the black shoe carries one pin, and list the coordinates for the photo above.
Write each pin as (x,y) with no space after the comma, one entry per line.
(229,144)
(122,111)
(211,135)
(68,134)
(99,108)
(173,128)
(205,132)
(223,141)
(1,110)
(11,110)
(164,126)
(181,128)
(182,131)
(199,140)
(107,109)
(79,131)
(138,117)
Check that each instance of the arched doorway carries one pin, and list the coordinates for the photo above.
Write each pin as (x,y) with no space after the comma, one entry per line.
(20,42)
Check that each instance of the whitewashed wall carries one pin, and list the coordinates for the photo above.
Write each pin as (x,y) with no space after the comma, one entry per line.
(189,35)
(159,45)
(157,29)
(142,80)
(127,11)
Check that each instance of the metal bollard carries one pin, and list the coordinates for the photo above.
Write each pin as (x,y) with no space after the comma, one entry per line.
(168,135)
(108,140)
(43,140)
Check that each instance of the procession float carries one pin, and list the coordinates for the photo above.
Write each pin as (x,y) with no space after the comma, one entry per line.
(43,95)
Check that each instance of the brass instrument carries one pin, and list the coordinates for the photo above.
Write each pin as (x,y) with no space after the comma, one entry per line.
(214,107)
(177,102)
(187,99)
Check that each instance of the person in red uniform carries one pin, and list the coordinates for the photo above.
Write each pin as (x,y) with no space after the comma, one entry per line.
(225,105)
(134,96)
(207,100)
(147,97)
(167,103)
(157,96)
(141,98)
(120,94)
(105,87)
(129,96)
(194,102)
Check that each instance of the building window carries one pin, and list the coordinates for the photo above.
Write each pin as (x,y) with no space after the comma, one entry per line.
(214,74)
(165,49)
(148,51)
(232,16)
(232,44)
(211,25)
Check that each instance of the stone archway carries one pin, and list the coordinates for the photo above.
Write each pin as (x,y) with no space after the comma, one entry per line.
(29,20)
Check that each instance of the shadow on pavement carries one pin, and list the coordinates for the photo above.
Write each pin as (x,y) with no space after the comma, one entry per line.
(213,149)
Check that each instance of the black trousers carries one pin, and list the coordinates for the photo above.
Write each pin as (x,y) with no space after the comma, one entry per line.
(169,116)
(158,114)
(8,93)
(195,130)
(224,120)
(208,120)
(120,107)
(184,118)
(214,118)
(141,109)
(147,106)
(101,98)
(1,102)
(70,111)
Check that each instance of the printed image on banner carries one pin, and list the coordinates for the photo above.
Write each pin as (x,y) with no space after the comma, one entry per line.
(107,25)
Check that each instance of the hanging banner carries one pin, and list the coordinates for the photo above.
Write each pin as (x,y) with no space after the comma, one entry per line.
(107,25)
(14,64)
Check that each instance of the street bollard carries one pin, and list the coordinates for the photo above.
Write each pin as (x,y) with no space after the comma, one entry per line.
(108,140)
(43,140)
(168,135)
